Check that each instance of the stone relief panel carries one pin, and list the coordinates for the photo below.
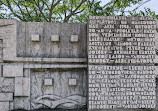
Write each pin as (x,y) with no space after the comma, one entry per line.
(53,40)
(28,48)
(59,94)
(53,101)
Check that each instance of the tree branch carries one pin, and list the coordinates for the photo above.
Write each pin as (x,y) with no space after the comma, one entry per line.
(52,3)
(11,9)
(45,3)
(37,4)
(73,12)
(36,12)
(28,12)
(56,3)
(51,9)
(112,8)
(79,11)
(64,9)
(22,13)
(79,6)
(141,5)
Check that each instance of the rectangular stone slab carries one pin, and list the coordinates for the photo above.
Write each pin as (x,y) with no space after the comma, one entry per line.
(6,84)
(22,86)
(6,97)
(121,53)
(121,40)
(121,87)
(4,106)
(13,70)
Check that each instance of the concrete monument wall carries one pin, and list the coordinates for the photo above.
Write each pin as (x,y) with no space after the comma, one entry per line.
(107,64)
(121,62)
(43,65)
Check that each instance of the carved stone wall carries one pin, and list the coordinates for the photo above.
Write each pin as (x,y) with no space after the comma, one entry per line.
(69,66)
(43,65)
(121,57)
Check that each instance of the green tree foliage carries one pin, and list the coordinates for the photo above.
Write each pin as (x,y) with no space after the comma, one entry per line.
(45,10)
(2,15)
(69,10)
(119,8)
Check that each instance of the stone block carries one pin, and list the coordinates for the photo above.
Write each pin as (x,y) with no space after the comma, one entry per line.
(11,105)
(4,106)
(6,84)
(12,70)
(48,82)
(55,38)
(22,103)
(35,38)
(72,82)
(156,71)
(22,86)
(74,38)
(5,97)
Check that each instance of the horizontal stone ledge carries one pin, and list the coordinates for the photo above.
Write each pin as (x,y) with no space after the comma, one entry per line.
(54,66)
(47,60)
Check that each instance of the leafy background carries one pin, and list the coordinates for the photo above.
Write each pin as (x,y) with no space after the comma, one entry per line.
(72,10)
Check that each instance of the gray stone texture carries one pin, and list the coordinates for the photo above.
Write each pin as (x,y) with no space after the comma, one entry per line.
(5,97)
(55,38)
(44,65)
(13,70)
(47,49)
(6,84)
(31,53)
(4,106)
(60,84)
(120,48)
(22,86)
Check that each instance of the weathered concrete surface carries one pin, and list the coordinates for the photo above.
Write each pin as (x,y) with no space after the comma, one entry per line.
(4,106)
(60,83)
(22,86)
(13,70)
(59,54)
(31,53)
(69,46)
(119,49)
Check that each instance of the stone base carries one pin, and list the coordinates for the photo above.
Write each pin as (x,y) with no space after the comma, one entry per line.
(83,109)
(126,110)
